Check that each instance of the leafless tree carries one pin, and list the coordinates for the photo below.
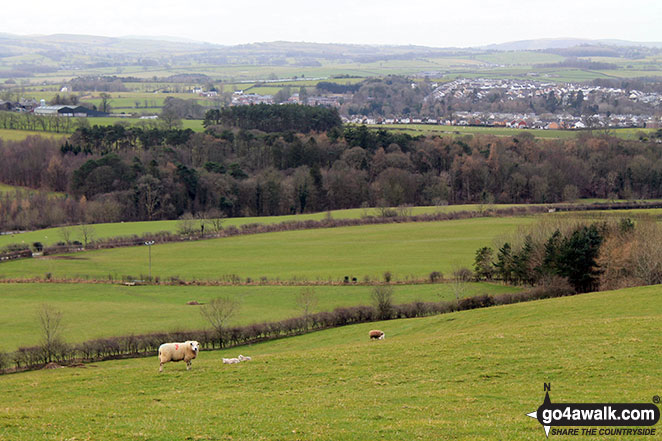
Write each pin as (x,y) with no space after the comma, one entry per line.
(50,320)
(65,234)
(647,253)
(382,298)
(87,233)
(218,312)
(461,277)
(307,302)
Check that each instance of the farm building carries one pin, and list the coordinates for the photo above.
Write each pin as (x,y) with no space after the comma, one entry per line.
(77,111)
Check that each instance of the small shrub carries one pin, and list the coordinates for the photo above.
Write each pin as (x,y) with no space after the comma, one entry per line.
(474,302)
(463,274)
(435,276)
(387,277)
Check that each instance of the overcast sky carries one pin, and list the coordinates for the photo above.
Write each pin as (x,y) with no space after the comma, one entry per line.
(437,23)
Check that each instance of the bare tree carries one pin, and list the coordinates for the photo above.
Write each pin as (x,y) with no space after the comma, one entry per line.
(218,312)
(215,219)
(186,224)
(104,106)
(148,189)
(50,320)
(382,298)
(647,253)
(307,302)
(87,233)
(461,276)
(65,234)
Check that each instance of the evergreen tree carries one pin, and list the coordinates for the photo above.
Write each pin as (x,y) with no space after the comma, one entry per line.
(483,265)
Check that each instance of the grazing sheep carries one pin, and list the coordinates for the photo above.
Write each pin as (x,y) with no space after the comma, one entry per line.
(242,358)
(376,334)
(186,351)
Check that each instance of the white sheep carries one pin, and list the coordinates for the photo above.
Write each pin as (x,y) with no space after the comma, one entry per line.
(242,358)
(231,360)
(376,334)
(186,351)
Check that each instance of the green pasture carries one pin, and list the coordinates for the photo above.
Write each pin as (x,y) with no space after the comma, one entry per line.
(435,129)
(20,135)
(4,188)
(51,236)
(102,310)
(408,250)
(471,375)
(519,58)
(193,124)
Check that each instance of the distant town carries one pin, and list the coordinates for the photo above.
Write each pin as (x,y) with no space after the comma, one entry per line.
(521,104)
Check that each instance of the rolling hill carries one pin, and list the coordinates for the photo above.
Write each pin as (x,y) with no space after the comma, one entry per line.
(462,376)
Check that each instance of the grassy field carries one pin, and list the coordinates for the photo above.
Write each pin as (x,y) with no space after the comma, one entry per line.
(406,250)
(432,129)
(4,188)
(20,135)
(50,236)
(95,311)
(193,124)
(471,375)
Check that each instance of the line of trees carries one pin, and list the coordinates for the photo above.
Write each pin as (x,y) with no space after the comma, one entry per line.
(587,257)
(135,174)
(275,118)
(223,336)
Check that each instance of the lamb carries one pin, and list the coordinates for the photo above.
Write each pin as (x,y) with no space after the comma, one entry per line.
(376,334)
(231,361)
(242,358)
(186,351)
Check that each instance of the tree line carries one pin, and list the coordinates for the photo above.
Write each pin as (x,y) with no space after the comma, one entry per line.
(54,349)
(585,256)
(121,174)
(275,118)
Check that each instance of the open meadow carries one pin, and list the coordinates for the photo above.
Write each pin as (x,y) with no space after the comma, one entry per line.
(469,375)
(407,250)
(93,311)
(433,129)
(50,236)
(20,135)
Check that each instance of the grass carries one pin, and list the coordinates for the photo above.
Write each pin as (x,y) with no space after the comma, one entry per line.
(97,311)
(20,135)
(4,188)
(50,236)
(407,250)
(433,129)
(471,375)
(193,124)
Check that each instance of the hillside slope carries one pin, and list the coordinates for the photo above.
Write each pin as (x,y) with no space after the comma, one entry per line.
(462,376)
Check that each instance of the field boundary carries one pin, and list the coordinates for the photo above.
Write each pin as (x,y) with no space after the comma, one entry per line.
(141,346)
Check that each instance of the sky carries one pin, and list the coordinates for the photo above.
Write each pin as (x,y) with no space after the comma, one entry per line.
(437,23)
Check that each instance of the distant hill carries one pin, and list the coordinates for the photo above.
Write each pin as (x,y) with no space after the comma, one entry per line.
(563,43)
(28,55)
